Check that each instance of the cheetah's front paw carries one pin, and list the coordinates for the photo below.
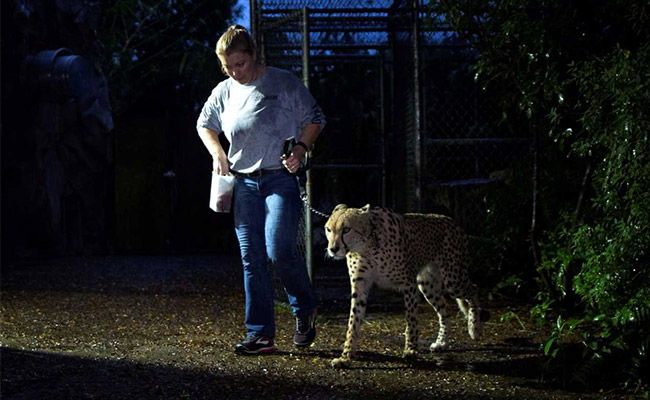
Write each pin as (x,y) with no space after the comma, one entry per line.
(438,346)
(410,353)
(341,363)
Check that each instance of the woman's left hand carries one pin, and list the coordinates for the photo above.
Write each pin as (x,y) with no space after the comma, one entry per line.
(292,163)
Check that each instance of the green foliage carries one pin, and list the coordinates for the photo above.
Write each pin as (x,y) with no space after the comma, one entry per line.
(619,125)
(512,315)
(579,72)
(614,279)
(561,330)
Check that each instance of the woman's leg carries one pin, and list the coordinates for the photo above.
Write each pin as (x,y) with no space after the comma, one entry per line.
(283,208)
(249,212)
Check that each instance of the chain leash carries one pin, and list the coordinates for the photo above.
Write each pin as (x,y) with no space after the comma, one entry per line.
(288,147)
(303,197)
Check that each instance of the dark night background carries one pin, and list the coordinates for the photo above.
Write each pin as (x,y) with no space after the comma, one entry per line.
(91,168)
(547,130)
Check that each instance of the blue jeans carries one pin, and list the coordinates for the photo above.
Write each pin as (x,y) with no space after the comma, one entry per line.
(267,211)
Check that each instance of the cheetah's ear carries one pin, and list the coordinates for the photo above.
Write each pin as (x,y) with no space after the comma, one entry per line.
(340,207)
(365,208)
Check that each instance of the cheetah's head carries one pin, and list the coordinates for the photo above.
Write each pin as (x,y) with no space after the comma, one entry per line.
(348,230)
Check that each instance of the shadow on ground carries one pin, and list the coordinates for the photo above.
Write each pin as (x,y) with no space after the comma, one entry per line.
(164,328)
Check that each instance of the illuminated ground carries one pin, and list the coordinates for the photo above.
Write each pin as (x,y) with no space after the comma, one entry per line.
(164,328)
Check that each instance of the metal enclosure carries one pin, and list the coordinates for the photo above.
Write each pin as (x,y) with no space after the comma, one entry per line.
(408,128)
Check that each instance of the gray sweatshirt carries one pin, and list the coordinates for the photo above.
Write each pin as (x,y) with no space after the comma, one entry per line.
(257,117)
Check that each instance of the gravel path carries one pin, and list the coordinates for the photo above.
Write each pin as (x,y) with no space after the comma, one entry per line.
(164,328)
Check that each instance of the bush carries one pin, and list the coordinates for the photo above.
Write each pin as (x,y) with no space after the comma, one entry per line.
(579,72)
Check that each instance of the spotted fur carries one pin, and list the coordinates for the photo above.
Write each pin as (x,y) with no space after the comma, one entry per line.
(406,252)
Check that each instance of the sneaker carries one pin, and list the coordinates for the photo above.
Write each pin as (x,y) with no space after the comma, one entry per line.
(256,345)
(305,330)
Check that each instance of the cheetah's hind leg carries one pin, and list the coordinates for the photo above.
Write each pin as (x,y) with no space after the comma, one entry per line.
(430,284)
(464,307)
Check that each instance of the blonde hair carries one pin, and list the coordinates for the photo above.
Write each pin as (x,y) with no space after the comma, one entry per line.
(235,40)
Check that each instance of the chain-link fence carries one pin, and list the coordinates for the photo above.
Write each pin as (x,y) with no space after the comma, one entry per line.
(466,151)
(408,127)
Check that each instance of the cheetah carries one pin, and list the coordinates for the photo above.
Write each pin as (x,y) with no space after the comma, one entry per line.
(406,252)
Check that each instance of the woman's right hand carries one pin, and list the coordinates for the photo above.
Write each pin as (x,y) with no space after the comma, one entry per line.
(210,140)
(220,164)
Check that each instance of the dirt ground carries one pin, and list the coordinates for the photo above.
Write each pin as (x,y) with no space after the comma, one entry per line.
(165,327)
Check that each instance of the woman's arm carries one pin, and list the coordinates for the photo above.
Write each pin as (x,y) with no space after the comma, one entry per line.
(210,140)
(309,135)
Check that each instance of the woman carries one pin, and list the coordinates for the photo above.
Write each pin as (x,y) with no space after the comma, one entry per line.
(258,108)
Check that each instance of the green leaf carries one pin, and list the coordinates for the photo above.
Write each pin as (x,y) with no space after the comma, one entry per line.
(548,345)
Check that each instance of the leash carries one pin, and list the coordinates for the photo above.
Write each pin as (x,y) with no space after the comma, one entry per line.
(301,174)
(303,197)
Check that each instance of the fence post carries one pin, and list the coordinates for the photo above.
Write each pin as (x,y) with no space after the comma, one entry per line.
(305,80)
(382,127)
(417,123)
